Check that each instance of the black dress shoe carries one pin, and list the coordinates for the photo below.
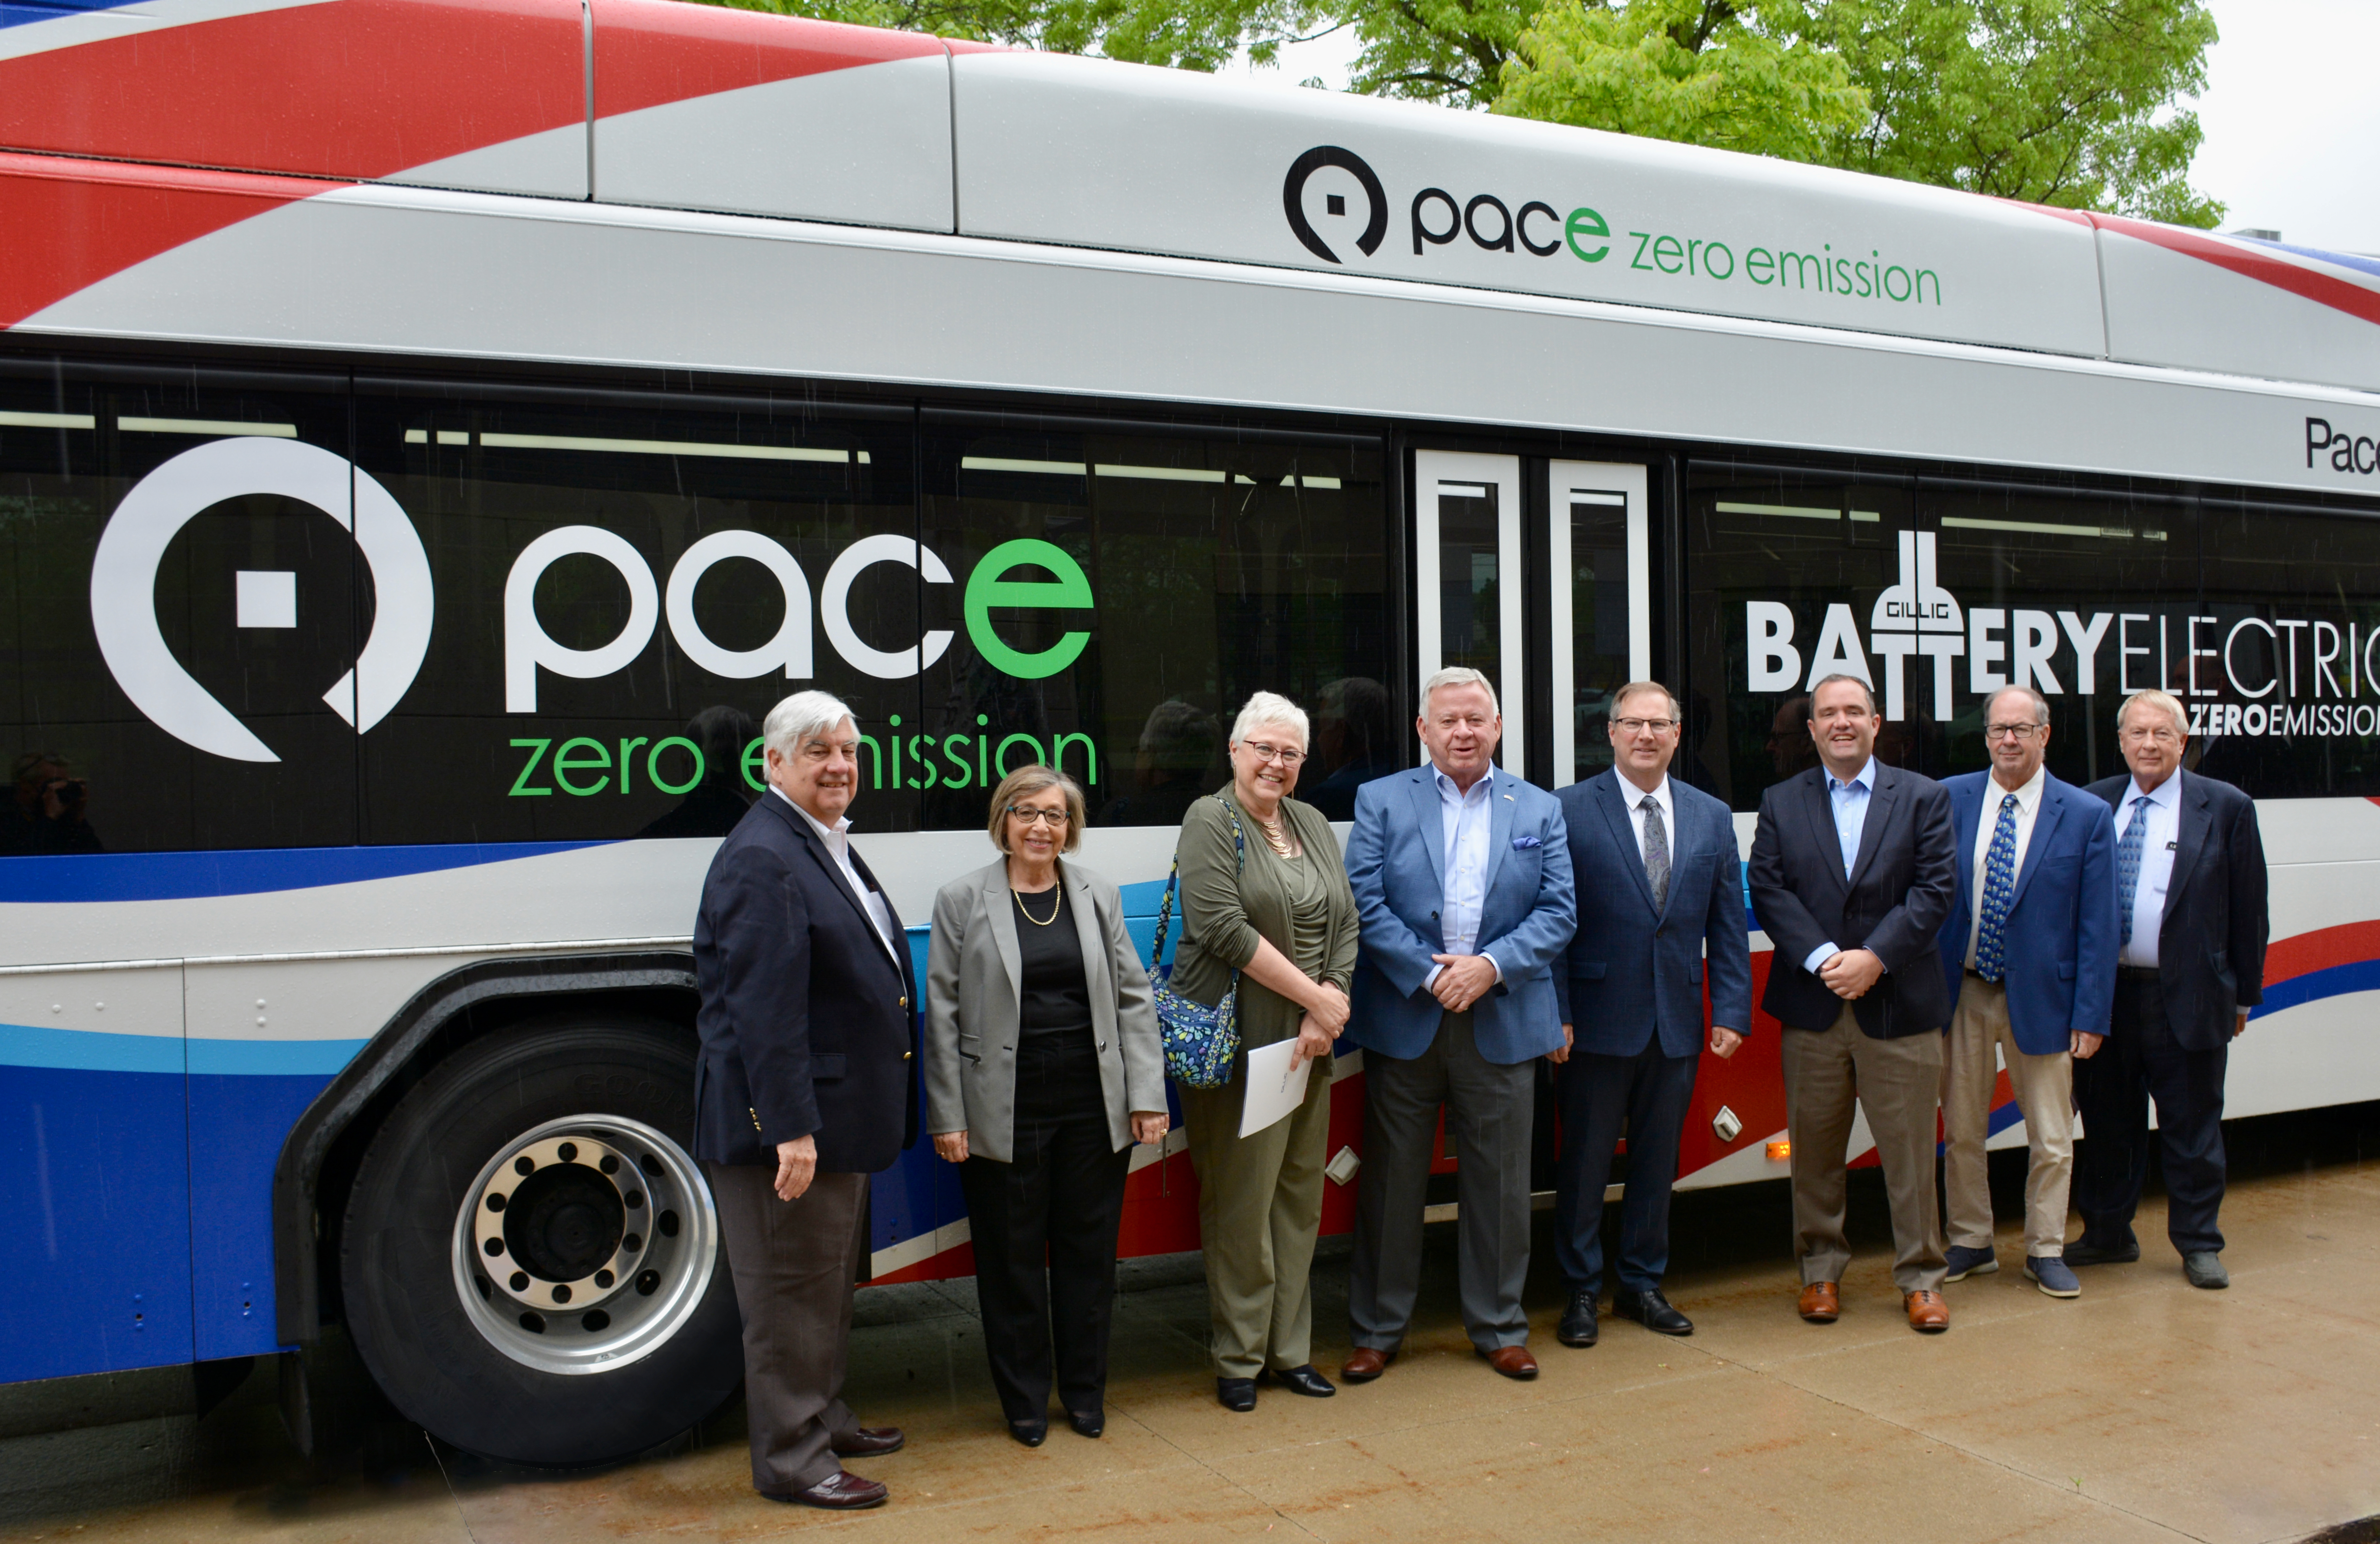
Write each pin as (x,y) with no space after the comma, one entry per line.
(866,1441)
(1236,1393)
(1304,1380)
(1087,1423)
(1652,1310)
(1578,1326)
(1032,1433)
(840,1491)
(2080,1254)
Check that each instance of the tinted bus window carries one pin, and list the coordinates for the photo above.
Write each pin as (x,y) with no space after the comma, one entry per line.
(1125,595)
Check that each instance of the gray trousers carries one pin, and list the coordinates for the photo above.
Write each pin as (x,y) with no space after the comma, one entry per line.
(1491,1115)
(794,1263)
(1899,1084)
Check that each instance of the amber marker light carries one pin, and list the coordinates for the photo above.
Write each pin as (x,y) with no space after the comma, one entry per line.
(1779,1152)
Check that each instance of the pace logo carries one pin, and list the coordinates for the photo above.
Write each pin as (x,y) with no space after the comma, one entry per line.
(124,586)
(1292,201)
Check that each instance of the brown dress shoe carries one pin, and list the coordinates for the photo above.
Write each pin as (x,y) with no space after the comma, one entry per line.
(1820,1303)
(1929,1313)
(866,1440)
(1512,1361)
(1366,1363)
(840,1491)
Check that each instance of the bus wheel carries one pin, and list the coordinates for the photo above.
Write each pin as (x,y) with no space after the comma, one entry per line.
(531,1265)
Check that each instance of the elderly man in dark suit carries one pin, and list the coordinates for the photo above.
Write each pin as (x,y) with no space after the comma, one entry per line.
(1854,868)
(1660,905)
(2189,899)
(804,1089)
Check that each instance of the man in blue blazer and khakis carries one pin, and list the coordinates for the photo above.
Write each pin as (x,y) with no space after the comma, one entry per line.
(2029,955)
(1462,877)
(1660,905)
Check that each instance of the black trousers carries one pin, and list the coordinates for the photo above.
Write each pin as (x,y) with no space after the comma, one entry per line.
(1649,1092)
(1045,1233)
(2141,1061)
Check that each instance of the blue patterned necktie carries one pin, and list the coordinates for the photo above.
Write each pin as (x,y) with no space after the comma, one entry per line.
(2128,864)
(1999,889)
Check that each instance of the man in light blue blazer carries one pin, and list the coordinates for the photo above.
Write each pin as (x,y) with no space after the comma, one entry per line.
(1462,880)
(2029,954)
(1661,906)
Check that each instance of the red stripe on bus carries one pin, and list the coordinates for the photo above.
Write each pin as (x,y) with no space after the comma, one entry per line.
(351,88)
(652,52)
(71,223)
(2304,953)
(2272,269)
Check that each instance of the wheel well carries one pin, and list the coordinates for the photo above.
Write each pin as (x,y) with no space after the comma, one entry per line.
(319,1157)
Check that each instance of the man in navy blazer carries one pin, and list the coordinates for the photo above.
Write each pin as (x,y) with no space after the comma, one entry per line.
(1853,870)
(804,1088)
(2029,955)
(1463,881)
(2191,902)
(1660,904)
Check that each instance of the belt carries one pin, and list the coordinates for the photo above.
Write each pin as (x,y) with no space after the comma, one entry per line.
(2136,972)
(1974,974)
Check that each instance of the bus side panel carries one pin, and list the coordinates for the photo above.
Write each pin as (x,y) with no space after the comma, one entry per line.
(94,1164)
(238,1122)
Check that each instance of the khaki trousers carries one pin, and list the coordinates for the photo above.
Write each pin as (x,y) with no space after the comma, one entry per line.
(2045,1096)
(1898,1083)
(1259,1207)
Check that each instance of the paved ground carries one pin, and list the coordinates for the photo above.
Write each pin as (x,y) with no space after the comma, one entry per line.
(2144,1411)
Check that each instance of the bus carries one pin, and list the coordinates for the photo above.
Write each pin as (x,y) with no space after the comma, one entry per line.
(432,434)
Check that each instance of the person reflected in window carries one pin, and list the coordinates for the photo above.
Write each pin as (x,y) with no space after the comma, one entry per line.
(713,806)
(49,814)
(1042,1069)
(1172,765)
(1790,748)
(1264,894)
(1355,740)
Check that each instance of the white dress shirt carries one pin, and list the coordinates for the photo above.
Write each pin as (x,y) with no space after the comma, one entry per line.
(2028,804)
(1660,795)
(837,838)
(1467,822)
(2158,843)
(1850,801)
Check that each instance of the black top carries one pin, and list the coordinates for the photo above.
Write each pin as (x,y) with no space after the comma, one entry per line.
(1056,996)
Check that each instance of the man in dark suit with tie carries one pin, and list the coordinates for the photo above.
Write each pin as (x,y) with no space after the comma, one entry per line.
(1660,904)
(2189,899)
(803,1090)
(2029,955)
(1854,868)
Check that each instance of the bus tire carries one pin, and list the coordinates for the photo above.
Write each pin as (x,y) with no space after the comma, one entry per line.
(461,1310)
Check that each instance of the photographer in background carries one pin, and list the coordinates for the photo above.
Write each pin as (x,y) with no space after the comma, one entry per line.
(48,814)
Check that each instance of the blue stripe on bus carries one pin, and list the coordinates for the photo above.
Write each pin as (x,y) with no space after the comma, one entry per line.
(200,875)
(92,1051)
(17,14)
(2356,975)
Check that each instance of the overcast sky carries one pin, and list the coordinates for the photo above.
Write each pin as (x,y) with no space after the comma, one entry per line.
(2291,114)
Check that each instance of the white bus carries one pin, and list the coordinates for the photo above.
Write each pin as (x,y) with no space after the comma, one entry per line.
(432,434)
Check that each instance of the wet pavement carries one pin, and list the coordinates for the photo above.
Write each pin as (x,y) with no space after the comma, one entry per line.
(2144,1410)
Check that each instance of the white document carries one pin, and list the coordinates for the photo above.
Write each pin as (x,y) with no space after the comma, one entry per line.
(1274,1088)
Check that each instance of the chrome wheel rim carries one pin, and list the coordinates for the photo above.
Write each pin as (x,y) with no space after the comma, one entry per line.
(584,1244)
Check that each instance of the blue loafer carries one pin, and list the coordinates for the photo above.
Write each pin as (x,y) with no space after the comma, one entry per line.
(1964,1262)
(2052,1276)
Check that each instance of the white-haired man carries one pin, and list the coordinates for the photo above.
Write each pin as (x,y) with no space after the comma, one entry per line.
(803,1090)
(1461,876)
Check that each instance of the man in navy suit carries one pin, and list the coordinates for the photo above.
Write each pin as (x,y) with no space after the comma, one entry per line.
(1462,880)
(802,1091)
(1853,870)
(2029,955)
(2189,901)
(1660,902)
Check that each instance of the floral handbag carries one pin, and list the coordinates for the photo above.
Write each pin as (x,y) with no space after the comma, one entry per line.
(1200,1041)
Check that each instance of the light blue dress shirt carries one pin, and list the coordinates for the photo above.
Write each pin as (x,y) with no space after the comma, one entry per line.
(2159,841)
(1850,801)
(1468,821)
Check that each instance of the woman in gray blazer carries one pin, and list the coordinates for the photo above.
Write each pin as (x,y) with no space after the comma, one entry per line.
(1042,1068)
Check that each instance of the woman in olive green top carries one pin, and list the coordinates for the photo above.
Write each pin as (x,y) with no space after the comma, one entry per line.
(1285,919)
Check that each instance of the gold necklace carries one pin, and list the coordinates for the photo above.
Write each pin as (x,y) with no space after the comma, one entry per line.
(1039,922)
(1273,835)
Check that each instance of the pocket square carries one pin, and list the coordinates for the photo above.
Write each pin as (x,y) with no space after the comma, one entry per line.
(1527,841)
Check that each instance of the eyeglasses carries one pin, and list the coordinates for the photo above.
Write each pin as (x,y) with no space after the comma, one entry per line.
(2160,734)
(1273,752)
(1638,726)
(1052,818)
(2012,732)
